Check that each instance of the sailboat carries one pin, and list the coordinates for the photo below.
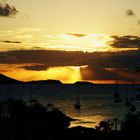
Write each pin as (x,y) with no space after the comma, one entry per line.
(127,103)
(117,98)
(77,105)
(116,95)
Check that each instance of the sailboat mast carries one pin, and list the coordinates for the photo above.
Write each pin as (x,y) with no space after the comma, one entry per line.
(77,105)
(116,95)
(116,79)
(78,98)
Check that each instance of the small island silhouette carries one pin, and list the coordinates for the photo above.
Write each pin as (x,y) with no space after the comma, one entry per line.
(7,80)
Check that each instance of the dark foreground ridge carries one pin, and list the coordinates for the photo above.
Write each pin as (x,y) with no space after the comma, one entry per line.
(32,121)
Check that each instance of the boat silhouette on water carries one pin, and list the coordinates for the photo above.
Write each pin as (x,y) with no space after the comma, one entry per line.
(127,102)
(77,105)
(116,95)
(117,98)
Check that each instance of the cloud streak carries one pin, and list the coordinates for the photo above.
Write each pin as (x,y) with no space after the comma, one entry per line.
(77,34)
(126,42)
(9,41)
(35,67)
(129,12)
(7,10)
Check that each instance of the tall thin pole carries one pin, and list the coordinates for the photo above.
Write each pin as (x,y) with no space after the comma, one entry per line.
(78,94)
(116,73)
(116,80)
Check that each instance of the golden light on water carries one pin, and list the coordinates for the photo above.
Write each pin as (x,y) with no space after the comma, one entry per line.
(89,122)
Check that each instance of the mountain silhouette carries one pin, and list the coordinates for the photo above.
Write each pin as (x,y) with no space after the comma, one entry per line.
(7,80)
(45,82)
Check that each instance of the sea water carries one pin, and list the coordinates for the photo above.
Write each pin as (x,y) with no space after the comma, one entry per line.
(96,101)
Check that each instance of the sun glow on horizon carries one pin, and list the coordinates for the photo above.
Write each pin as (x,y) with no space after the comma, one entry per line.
(37,39)
(78,42)
(67,74)
(34,39)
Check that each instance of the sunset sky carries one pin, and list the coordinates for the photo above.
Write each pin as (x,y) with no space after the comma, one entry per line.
(70,40)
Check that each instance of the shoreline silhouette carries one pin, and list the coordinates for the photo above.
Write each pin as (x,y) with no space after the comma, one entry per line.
(26,120)
(21,120)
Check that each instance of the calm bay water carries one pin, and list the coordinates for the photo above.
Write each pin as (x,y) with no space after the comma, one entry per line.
(96,100)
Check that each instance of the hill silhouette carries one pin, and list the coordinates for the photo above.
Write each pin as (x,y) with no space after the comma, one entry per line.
(45,82)
(83,83)
(7,80)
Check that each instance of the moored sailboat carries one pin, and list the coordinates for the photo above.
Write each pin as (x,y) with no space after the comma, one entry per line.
(77,105)
(127,102)
(116,95)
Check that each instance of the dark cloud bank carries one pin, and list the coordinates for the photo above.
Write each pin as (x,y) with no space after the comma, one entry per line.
(97,62)
(7,10)
(35,67)
(126,42)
